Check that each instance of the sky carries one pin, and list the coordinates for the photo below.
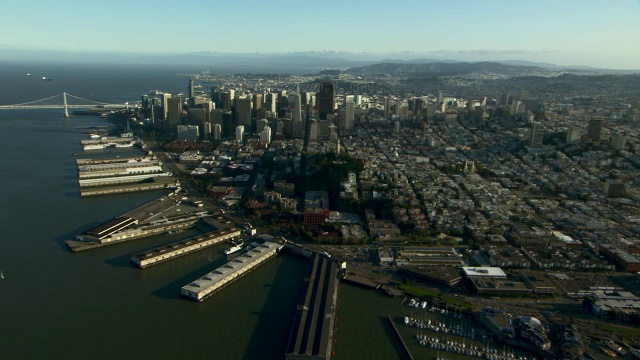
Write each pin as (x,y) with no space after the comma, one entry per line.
(564,32)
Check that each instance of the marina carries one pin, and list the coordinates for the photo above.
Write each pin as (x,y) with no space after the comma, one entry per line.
(183,247)
(215,280)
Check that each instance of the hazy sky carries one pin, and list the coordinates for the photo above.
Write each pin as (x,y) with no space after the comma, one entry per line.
(568,32)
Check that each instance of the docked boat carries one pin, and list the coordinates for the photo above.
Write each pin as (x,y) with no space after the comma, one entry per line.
(233,249)
(608,351)
(94,146)
(635,353)
(615,347)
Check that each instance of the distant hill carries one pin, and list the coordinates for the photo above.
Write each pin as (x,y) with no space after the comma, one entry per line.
(442,68)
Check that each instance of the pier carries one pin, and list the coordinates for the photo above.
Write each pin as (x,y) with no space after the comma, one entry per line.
(183,247)
(215,280)
(312,330)
(157,183)
(124,229)
(404,345)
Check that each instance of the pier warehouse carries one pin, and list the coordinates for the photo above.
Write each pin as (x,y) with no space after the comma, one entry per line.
(312,329)
(183,247)
(217,279)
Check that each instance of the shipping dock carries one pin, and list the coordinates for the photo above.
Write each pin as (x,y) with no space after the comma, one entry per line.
(207,285)
(119,169)
(312,330)
(84,162)
(183,247)
(156,183)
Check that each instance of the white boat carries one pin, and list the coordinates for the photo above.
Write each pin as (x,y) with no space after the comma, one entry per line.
(1,274)
(94,146)
(615,347)
(233,249)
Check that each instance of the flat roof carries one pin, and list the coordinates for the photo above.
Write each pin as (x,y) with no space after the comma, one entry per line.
(111,226)
(231,267)
(160,250)
(486,271)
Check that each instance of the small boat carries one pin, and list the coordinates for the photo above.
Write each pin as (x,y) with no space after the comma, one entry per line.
(28,74)
(233,249)
(46,78)
(608,351)
(635,353)
(615,347)
(1,274)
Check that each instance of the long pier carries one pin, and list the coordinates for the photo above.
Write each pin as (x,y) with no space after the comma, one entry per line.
(215,280)
(404,345)
(312,330)
(183,247)
(108,233)
(158,183)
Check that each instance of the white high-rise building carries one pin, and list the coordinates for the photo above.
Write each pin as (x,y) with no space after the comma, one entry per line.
(216,131)
(165,105)
(239,133)
(265,135)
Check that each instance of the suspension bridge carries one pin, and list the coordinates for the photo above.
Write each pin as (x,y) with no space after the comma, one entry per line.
(46,103)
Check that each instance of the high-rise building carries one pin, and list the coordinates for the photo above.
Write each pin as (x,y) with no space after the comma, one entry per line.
(243,112)
(192,92)
(505,99)
(216,131)
(326,104)
(618,141)
(174,112)
(313,130)
(358,100)
(297,112)
(188,132)
(239,133)
(387,107)
(224,101)
(594,132)
(349,114)
(536,136)
(270,104)
(265,135)
(165,105)
(257,101)
(261,124)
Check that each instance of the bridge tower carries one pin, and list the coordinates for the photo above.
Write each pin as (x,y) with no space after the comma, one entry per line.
(64,100)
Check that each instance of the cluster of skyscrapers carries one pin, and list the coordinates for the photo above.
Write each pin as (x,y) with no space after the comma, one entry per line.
(269,114)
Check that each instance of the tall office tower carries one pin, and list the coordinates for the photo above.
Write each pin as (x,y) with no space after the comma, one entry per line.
(505,99)
(333,132)
(387,107)
(279,127)
(471,105)
(396,127)
(297,112)
(431,111)
(440,97)
(420,103)
(261,124)
(348,98)
(265,135)
(572,136)
(257,102)
(173,114)
(206,131)
(145,101)
(232,97)
(358,100)
(536,136)
(349,115)
(594,132)
(516,107)
(297,130)
(326,104)
(239,133)
(243,112)
(305,97)
(165,105)
(313,130)
(224,101)
(192,91)
(271,102)
(618,141)
(216,131)
(214,94)
(283,102)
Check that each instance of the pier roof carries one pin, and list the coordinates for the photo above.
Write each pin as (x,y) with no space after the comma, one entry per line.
(231,267)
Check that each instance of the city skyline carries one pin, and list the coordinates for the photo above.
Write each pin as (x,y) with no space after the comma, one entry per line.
(588,33)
